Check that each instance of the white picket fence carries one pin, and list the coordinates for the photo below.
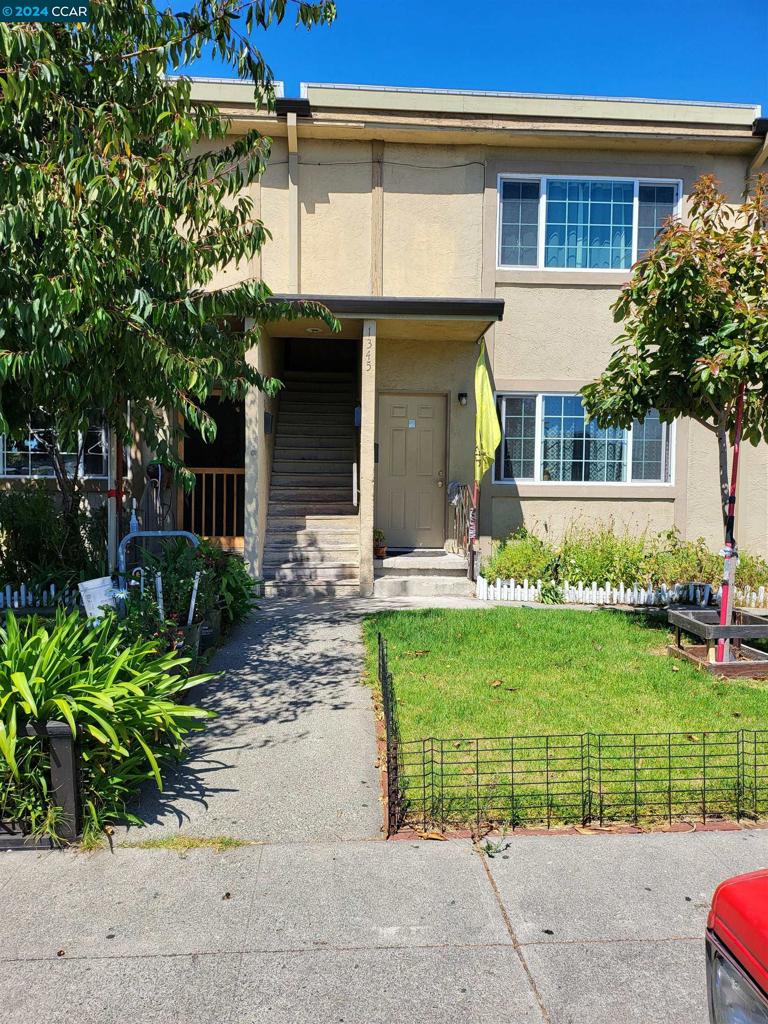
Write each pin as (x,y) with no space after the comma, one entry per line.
(635,596)
(33,596)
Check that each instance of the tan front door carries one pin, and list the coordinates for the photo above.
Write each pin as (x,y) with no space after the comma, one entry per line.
(410,476)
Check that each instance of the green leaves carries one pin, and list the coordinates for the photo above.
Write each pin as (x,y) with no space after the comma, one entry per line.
(120,202)
(695,321)
(119,699)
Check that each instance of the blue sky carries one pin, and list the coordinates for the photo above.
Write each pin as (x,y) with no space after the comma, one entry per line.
(689,49)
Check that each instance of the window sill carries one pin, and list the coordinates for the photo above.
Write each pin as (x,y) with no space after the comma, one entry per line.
(562,278)
(571,491)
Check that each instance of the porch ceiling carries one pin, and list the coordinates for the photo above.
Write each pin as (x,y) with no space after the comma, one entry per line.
(412,318)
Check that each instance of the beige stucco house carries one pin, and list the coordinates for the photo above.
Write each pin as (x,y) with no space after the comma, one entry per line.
(425,220)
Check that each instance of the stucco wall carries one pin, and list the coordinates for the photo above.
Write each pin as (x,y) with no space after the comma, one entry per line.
(554,516)
(557,334)
(433,224)
(274,215)
(335,211)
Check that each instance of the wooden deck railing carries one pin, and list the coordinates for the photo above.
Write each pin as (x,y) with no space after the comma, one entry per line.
(215,508)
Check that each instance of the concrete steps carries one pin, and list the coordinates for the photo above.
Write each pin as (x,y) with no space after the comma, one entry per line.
(337,447)
(312,542)
(422,563)
(312,588)
(283,479)
(422,573)
(332,572)
(313,429)
(422,586)
(306,469)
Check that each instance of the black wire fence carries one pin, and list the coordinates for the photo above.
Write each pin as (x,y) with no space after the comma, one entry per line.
(495,781)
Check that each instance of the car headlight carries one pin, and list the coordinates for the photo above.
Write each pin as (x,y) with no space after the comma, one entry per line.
(733,996)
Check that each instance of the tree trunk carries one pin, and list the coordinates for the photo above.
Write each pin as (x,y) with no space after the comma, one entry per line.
(729,550)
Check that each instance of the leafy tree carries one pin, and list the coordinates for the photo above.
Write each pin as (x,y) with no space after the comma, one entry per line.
(119,199)
(695,325)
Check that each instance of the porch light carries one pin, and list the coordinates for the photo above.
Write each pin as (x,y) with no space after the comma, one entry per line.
(462,398)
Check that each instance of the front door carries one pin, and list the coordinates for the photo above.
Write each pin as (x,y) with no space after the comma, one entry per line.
(410,477)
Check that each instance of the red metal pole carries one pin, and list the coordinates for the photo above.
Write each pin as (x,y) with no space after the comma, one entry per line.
(729,551)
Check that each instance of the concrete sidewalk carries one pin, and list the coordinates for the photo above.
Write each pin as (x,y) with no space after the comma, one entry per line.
(565,930)
(317,918)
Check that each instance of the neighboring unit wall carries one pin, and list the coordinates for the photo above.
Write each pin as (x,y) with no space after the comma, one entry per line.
(259,449)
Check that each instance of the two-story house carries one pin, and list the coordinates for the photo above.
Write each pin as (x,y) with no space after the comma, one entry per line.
(426,220)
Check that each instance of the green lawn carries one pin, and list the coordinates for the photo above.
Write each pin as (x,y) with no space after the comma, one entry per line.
(464,680)
(518,671)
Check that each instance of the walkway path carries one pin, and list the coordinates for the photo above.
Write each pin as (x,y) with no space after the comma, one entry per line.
(292,752)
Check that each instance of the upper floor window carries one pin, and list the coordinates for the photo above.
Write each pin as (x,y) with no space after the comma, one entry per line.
(581,223)
(31,456)
(547,438)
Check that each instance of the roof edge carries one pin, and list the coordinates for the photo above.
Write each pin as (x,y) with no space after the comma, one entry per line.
(501,94)
(386,307)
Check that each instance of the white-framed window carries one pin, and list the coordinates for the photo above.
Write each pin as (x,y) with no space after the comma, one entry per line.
(30,457)
(576,223)
(546,439)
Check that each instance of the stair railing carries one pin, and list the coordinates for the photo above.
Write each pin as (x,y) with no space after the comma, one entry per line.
(465,525)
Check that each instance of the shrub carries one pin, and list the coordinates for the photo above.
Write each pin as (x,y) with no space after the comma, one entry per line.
(225,583)
(752,571)
(122,700)
(599,554)
(40,544)
(233,586)
(178,563)
(672,560)
(523,556)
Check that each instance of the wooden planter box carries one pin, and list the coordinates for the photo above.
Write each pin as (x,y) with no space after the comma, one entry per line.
(704,624)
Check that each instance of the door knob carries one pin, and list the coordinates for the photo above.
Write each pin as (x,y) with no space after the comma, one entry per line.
(439,483)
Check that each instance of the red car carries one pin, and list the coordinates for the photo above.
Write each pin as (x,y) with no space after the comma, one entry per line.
(737,951)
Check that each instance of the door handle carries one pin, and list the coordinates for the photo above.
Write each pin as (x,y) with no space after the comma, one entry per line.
(439,483)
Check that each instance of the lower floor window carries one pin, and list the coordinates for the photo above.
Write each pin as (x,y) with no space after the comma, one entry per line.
(31,455)
(546,437)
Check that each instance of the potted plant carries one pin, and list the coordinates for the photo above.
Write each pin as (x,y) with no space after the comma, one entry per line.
(379,544)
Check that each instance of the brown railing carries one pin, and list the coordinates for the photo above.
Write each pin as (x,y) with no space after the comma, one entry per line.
(216,506)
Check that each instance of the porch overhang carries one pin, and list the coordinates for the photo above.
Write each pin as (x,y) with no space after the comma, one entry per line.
(414,317)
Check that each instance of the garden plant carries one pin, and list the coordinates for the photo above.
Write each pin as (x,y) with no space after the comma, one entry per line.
(603,555)
(121,696)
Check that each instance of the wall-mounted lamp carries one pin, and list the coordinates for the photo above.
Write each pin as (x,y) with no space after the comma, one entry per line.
(462,398)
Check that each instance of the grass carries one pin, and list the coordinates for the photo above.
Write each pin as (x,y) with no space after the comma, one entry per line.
(470,678)
(522,672)
(183,844)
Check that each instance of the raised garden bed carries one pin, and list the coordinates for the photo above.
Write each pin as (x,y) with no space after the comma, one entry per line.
(746,661)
